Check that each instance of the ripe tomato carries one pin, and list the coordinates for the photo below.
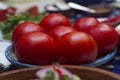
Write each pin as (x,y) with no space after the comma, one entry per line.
(3,16)
(85,23)
(105,36)
(10,10)
(33,11)
(35,48)
(57,32)
(54,20)
(75,48)
(24,28)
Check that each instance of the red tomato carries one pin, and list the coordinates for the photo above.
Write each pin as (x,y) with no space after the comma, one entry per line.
(85,23)
(24,28)
(57,32)
(105,36)
(35,48)
(3,15)
(33,11)
(75,48)
(10,10)
(53,20)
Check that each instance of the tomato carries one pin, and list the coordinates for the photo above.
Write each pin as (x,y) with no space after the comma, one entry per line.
(3,16)
(57,32)
(75,48)
(105,36)
(53,20)
(24,28)
(33,11)
(10,10)
(35,48)
(85,23)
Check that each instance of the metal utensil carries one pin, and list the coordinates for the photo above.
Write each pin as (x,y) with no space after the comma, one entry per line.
(80,7)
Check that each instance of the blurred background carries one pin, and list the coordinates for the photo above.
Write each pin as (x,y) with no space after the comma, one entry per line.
(14,11)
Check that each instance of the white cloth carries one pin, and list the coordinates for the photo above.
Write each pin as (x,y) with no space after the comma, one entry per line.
(3,46)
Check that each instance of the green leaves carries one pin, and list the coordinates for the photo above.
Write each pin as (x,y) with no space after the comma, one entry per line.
(50,75)
(12,20)
(65,77)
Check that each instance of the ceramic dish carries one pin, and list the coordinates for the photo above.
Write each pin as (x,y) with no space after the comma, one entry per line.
(85,2)
(101,11)
(85,73)
(12,58)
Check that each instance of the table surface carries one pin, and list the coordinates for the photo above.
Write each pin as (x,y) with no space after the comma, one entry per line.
(113,65)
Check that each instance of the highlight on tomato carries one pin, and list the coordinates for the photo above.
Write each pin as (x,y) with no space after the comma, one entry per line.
(54,20)
(105,36)
(24,28)
(57,32)
(83,24)
(75,48)
(35,48)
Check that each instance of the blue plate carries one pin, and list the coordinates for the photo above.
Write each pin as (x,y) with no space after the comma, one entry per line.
(12,58)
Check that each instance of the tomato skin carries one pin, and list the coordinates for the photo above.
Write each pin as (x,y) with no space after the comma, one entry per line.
(75,48)
(53,20)
(3,16)
(33,11)
(105,36)
(24,28)
(85,23)
(35,48)
(57,32)
(10,10)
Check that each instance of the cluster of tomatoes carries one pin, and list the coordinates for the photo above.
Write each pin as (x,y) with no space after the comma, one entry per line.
(56,39)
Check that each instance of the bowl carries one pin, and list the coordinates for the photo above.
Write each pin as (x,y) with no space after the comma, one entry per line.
(13,59)
(85,2)
(85,73)
(101,10)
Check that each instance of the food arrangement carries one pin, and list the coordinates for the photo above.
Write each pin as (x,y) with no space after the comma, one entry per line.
(54,40)
(55,73)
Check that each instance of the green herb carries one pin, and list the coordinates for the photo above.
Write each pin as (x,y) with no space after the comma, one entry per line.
(65,77)
(50,75)
(12,20)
